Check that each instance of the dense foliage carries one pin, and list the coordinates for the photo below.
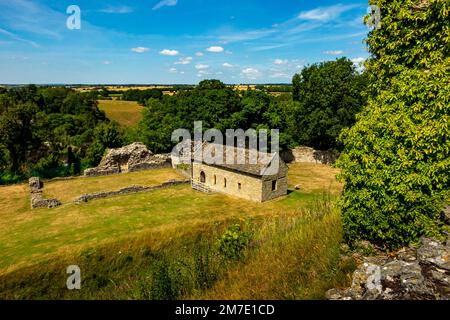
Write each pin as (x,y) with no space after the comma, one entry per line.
(217,106)
(396,163)
(50,132)
(330,94)
(142,96)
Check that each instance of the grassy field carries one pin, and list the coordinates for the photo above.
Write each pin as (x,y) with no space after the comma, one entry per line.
(39,239)
(67,190)
(126,113)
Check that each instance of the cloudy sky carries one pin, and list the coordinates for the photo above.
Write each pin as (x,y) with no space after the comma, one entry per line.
(175,41)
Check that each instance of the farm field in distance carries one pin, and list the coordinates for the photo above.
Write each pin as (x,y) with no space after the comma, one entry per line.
(126,113)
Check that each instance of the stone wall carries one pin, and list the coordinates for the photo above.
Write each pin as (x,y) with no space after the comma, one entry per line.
(308,155)
(281,188)
(37,198)
(128,190)
(251,187)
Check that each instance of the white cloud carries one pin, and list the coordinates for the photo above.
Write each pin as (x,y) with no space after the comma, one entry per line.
(165,3)
(173,70)
(201,66)
(186,60)
(280,62)
(358,60)
(17,38)
(203,73)
(334,52)
(250,73)
(325,13)
(215,49)
(199,54)
(117,10)
(140,49)
(279,75)
(167,52)
(359,63)
(106,62)
(227,65)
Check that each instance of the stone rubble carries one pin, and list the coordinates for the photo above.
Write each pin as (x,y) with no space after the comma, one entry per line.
(131,158)
(412,273)
(37,199)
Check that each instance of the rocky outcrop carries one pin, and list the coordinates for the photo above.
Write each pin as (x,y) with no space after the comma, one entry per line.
(409,274)
(308,155)
(128,190)
(37,199)
(134,157)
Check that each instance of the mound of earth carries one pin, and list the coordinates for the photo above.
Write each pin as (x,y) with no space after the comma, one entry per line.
(131,158)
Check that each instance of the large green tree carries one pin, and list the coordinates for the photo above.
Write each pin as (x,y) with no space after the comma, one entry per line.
(396,164)
(217,106)
(330,94)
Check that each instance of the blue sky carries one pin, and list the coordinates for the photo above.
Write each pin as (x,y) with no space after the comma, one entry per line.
(175,41)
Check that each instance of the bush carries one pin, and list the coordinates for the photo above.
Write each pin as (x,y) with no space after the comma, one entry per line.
(232,243)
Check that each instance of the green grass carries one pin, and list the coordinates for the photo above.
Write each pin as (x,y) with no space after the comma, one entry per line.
(126,113)
(38,243)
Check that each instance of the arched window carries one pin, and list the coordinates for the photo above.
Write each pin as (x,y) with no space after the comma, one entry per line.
(202,177)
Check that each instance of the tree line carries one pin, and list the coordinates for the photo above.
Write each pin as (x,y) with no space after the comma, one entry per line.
(57,131)
(51,132)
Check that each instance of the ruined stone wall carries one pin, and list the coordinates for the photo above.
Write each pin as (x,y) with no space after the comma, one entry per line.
(308,155)
(131,158)
(128,190)
(37,198)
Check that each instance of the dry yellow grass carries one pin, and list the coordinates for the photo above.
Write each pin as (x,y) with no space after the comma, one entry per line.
(67,190)
(121,88)
(314,178)
(126,113)
(32,236)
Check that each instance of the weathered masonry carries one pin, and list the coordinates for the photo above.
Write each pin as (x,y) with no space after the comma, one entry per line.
(248,181)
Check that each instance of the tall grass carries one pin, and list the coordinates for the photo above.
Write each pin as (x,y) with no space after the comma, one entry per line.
(292,256)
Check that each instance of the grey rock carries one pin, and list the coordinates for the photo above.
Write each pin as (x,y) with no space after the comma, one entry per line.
(434,252)
(408,254)
(131,158)
(408,274)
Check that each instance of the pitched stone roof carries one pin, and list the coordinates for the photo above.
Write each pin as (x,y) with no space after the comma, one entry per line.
(248,161)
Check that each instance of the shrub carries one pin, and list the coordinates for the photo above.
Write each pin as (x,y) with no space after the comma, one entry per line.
(232,243)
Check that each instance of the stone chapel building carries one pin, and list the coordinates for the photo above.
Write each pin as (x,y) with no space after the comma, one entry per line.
(252,181)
